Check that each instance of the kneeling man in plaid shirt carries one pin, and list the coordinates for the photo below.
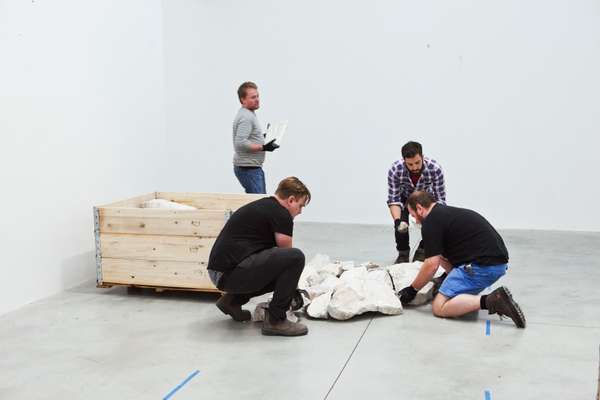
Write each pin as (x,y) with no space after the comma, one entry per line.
(413,172)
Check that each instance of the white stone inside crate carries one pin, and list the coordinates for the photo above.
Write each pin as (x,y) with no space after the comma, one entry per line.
(166,204)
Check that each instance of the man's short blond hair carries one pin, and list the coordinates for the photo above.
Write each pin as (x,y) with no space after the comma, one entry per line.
(292,186)
(243,89)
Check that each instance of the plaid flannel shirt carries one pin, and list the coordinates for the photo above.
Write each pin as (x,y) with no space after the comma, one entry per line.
(400,186)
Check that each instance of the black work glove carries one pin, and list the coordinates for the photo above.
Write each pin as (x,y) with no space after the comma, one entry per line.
(407,295)
(270,146)
(400,226)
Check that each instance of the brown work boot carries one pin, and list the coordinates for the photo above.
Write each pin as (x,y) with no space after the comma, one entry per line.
(500,302)
(273,327)
(226,305)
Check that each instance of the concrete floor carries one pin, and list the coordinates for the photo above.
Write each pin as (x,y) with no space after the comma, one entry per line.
(89,343)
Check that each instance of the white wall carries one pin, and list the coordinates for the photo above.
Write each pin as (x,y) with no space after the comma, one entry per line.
(81,123)
(504,94)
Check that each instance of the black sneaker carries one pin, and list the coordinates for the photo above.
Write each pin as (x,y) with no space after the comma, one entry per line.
(500,302)
(402,256)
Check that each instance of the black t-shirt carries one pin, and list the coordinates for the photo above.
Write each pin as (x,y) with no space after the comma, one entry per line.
(462,236)
(249,230)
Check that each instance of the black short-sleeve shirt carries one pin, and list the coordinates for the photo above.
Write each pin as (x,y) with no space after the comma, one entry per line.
(249,230)
(462,236)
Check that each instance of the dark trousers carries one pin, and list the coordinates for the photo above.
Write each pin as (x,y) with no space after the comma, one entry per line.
(274,270)
(402,238)
(251,178)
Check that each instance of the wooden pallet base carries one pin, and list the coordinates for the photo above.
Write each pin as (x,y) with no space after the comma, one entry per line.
(159,289)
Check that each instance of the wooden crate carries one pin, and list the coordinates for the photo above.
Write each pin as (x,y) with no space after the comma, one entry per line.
(161,248)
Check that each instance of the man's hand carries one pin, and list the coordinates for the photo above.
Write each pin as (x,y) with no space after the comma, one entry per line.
(407,295)
(401,226)
(270,146)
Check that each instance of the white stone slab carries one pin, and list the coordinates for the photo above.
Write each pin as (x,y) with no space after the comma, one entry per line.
(327,285)
(362,291)
(167,204)
(318,307)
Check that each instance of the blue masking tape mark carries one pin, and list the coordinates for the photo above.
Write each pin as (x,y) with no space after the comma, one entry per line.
(488,325)
(488,395)
(189,378)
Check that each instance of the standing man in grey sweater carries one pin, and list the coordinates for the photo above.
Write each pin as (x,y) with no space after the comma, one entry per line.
(249,141)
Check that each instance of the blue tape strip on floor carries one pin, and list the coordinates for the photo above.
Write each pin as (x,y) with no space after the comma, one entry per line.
(488,395)
(488,325)
(189,378)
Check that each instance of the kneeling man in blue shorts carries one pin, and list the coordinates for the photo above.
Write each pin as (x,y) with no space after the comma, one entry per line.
(473,254)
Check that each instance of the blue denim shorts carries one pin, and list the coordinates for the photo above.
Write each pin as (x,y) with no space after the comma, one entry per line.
(471,280)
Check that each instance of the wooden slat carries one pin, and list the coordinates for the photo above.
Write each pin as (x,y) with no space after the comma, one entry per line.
(210,201)
(155,247)
(162,288)
(134,202)
(156,273)
(154,221)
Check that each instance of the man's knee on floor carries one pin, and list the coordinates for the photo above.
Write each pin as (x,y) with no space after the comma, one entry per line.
(438,305)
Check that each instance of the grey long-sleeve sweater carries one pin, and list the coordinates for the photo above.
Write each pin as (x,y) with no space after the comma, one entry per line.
(247,130)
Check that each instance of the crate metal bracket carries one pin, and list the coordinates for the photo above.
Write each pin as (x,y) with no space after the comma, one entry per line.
(97,243)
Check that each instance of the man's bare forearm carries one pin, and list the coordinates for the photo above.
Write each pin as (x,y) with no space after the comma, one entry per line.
(396,211)
(426,272)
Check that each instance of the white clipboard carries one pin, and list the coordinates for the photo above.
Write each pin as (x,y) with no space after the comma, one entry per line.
(275,131)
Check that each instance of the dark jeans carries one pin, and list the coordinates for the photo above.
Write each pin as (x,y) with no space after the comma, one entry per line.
(402,238)
(251,178)
(274,270)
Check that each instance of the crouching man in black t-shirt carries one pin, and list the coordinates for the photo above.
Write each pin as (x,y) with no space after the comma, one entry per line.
(253,255)
(473,254)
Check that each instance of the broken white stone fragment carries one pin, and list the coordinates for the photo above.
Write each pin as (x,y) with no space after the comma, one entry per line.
(261,308)
(361,291)
(318,307)
(328,285)
(424,296)
(359,288)
(347,265)
(259,311)
(334,269)
(310,277)
(414,237)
